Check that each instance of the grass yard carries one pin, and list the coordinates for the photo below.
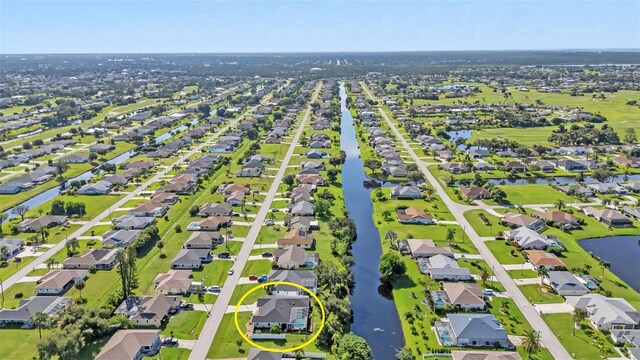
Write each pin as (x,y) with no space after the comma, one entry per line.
(505,254)
(492,229)
(172,354)
(185,325)
(585,344)
(540,295)
(533,194)
(20,343)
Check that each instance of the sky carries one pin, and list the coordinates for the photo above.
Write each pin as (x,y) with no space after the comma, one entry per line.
(217,26)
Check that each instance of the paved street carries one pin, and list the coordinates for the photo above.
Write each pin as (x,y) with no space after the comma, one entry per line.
(201,346)
(532,315)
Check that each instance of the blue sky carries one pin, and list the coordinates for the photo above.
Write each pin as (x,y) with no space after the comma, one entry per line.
(92,26)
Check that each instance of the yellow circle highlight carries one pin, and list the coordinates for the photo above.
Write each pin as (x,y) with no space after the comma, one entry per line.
(260,286)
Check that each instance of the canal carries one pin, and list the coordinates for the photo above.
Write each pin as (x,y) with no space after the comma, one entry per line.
(375,317)
(622,252)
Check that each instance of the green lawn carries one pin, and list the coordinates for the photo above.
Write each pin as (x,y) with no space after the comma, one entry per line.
(505,254)
(172,354)
(585,344)
(491,229)
(533,194)
(19,343)
(185,325)
(540,295)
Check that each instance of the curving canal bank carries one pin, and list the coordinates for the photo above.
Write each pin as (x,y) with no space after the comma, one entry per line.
(375,317)
(622,252)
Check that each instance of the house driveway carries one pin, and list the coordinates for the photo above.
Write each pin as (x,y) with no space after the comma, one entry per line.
(526,266)
(29,279)
(467,256)
(528,281)
(244,307)
(553,308)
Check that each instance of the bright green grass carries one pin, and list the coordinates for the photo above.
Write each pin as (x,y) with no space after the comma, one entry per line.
(582,345)
(540,295)
(185,325)
(505,254)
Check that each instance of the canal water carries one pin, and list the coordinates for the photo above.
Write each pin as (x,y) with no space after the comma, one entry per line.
(375,317)
(622,252)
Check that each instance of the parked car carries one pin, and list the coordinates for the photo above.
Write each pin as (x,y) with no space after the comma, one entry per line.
(488,292)
(267,254)
(275,210)
(187,306)
(170,342)
(269,222)
(253,277)
(214,288)
(263,278)
(224,255)
(230,272)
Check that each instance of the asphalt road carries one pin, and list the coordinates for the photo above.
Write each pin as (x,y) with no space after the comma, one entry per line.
(203,343)
(86,227)
(548,338)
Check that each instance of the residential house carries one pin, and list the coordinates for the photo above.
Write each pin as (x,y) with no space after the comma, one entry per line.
(292,313)
(304,223)
(575,190)
(215,209)
(525,238)
(13,245)
(149,210)
(515,166)
(519,220)
(609,217)
(539,258)
(296,237)
(203,240)
(191,258)
(100,259)
(454,168)
(293,257)
(566,220)
(306,278)
(27,308)
(46,221)
(148,310)
(423,248)
(474,192)
(412,215)
(565,284)
(101,187)
(131,222)
(466,296)
(544,165)
(119,238)
(442,267)
(131,345)
(631,212)
(607,314)
(57,282)
(212,223)
(302,208)
(406,192)
(476,330)
(174,282)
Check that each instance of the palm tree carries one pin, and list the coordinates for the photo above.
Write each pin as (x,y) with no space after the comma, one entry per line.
(451,232)
(531,342)
(41,321)
(542,273)
(560,204)
(51,263)
(603,265)
(299,354)
(73,244)
(484,275)
(586,268)
(4,252)
(160,245)
(392,237)
(79,285)
(579,314)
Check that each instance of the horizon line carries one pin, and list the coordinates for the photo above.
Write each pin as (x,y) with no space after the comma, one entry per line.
(592,50)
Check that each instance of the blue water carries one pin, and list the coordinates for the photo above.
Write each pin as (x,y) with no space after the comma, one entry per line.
(622,252)
(375,317)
